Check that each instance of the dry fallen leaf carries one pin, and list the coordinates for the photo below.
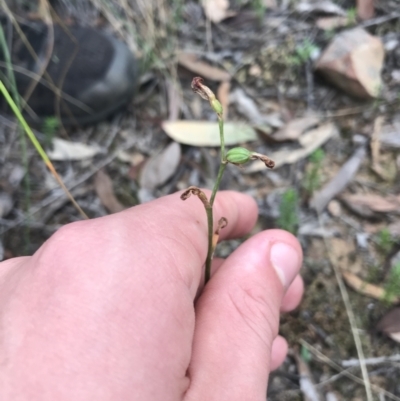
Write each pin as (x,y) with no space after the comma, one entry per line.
(249,109)
(364,288)
(369,204)
(295,128)
(327,7)
(161,167)
(104,189)
(329,23)
(134,158)
(217,10)
(310,141)
(339,182)
(390,136)
(66,150)
(270,4)
(390,324)
(206,133)
(192,63)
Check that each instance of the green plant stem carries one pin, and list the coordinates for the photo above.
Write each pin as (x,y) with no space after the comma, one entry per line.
(223,164)
(221,170)
(209,211)
(210,251)
(221,138)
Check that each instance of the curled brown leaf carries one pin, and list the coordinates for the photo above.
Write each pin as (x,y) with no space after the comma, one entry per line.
(197,192)
(265,159)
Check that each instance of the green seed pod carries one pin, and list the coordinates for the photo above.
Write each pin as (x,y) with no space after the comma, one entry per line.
(238,156)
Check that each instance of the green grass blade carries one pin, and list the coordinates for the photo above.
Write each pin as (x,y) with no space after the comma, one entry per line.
(37,146)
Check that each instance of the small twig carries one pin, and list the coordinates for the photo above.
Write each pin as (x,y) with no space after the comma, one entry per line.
(380,20)
(334,365)
(351,317)
(371,361)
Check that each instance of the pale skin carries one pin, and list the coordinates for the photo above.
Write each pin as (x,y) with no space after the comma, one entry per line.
(112,308)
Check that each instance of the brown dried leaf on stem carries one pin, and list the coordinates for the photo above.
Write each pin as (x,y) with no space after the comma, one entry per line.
(222,223)
(196,192)
(206,93)
(265,159)
(202,90)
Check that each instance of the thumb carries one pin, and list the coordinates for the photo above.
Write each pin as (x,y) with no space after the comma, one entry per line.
(237,319)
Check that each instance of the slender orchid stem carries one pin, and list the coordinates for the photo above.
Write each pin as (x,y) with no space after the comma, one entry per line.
(209,211)
(221,170)
(210,251)
(235,156)
(223,164)
(221,137)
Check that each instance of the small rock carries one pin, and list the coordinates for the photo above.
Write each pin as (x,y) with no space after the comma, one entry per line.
(353,61)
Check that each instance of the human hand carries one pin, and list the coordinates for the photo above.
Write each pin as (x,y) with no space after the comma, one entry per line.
(105,310)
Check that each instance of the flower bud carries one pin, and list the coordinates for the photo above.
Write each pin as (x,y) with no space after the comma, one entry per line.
(238,155)
(206,93)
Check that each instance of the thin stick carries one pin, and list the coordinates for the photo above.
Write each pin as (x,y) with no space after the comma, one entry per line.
(352,320)
(335,366)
